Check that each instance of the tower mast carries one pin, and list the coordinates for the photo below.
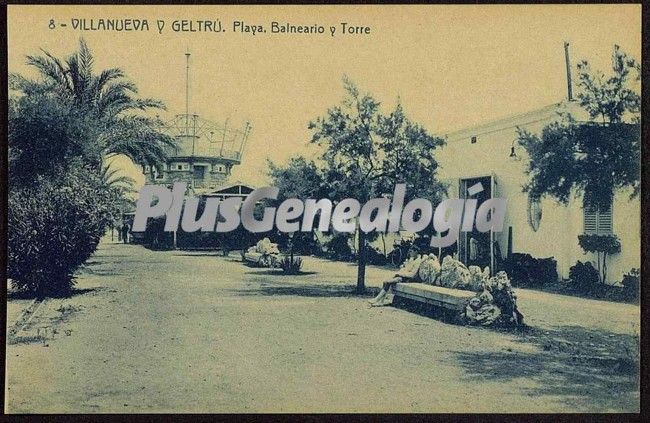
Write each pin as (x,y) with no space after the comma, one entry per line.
(187,115)
(187,92)
(567,61)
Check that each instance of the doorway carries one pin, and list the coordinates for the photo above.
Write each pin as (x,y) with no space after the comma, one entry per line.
(199,173)
(475,248)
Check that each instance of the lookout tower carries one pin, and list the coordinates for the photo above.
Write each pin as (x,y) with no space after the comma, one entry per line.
(205,151)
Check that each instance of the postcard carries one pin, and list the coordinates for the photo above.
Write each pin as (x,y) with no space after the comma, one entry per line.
(323,208)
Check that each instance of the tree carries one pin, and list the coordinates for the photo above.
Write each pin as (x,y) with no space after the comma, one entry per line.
(54,226)
(299,178)
(596,158)
(601,245)
(62,128)
(365,153)
(46,136)
(108,100)
(124,185)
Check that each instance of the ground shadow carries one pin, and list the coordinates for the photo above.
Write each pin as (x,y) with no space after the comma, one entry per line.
(307,290)
(450,316)
(427,310)
(112,256)
(81,291)
(25,295)
(251,265)
(20,295)
(200,254)
(100,272)
(588,368)
(279,272)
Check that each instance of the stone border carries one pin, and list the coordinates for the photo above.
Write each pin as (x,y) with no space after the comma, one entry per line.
(24,319)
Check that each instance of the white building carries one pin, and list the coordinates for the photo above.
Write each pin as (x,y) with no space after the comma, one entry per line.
(204,155)
(488,153)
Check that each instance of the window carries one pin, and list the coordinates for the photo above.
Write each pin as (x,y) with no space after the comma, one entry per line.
(180,166)
(158,174)
(219,168)
(598,221)
(473,140)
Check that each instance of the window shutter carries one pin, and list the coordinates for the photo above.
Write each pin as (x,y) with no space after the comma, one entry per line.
(605,220)
(590,220)
(598,221)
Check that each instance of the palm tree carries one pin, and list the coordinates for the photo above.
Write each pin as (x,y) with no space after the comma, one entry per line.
(123,184)
(109,98)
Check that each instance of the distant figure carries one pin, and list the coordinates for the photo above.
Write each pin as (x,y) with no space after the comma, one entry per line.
(125,232)
(408,271)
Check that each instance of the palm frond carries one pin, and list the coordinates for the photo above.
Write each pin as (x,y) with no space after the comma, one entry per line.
(127,104)
(110,100)
(125,183)
(18,82)
(139,138)
(76,78)
(106,76)
(86,60)
(110,176)
(114,94)
(51,68)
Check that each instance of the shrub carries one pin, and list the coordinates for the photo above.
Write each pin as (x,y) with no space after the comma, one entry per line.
(602,245)
(584,278)
(338,247)
(374,256)
(291,266)
(526,271)
(631,285)
(54,226)
(303,243)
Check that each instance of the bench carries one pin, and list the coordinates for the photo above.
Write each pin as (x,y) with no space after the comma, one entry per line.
(449,298)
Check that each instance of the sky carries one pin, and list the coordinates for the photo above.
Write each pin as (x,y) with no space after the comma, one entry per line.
(450,66)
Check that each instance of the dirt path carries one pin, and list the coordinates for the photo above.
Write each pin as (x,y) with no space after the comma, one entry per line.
(194,332)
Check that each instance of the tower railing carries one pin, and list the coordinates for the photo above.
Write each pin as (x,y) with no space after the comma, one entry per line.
(200,137)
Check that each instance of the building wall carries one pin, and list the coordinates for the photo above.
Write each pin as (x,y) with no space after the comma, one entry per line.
(216,173)
(560,225)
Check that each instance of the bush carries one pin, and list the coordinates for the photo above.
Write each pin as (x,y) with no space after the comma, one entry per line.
(584,278)
(376,257)
(54,226)
(631,285)
(602,245)
(303,243)
(338,247)
(526,271)
(592,243)
(291,267)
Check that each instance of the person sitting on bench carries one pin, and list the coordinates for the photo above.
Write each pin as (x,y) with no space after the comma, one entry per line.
(407,272)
